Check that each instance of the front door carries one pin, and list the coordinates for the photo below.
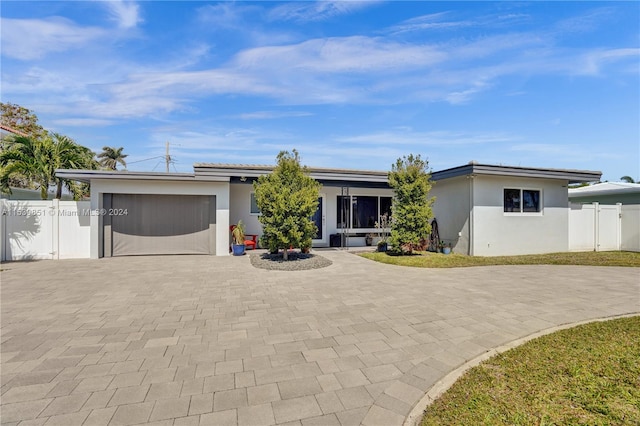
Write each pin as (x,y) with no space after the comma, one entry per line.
(319,219)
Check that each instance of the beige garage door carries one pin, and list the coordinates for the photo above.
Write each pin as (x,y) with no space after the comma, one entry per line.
(150,224)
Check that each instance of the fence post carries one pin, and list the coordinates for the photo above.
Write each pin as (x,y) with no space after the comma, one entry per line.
(596,226)
(55,225)
(619,226)
(3,229)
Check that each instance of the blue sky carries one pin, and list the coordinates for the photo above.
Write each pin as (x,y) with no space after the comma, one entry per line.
(348,84)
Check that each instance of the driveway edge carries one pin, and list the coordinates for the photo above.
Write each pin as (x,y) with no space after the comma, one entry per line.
(442,385)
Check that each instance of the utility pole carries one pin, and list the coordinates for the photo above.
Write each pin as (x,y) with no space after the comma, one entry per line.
(167,157)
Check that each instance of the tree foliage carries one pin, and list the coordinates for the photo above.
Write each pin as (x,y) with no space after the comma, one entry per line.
(37,159)
(110,157)
(287,199)
(21,119)
(627,179)
(411,209)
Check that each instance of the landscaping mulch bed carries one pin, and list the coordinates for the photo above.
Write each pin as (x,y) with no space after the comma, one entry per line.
(297,261)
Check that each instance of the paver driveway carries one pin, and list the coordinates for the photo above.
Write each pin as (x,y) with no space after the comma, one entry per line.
(190,340)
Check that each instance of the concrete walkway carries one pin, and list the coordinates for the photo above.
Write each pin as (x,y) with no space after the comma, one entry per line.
(198,340)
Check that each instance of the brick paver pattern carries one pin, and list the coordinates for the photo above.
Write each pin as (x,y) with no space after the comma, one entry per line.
(200,340)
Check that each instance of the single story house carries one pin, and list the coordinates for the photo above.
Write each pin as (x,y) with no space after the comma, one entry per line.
(481,209)
(606,193)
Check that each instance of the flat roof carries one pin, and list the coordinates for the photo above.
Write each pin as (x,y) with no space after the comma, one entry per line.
(218,172)
(473,168)
(319,173)
(87,175)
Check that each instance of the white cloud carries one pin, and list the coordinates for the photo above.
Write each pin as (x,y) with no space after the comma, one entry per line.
(428,22)
(338,70)
(225,14)
(82,122)
(316,10)
(408,137)
(440,21)
(340,54)
(594,61)
(28,39)
(125,13)
(585,22)
(268,115)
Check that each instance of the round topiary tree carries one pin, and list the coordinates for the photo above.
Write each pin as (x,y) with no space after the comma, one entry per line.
(287,198)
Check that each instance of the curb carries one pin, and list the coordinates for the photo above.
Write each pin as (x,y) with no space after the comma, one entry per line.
(442,385)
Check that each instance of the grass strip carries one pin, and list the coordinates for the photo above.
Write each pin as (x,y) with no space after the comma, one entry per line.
(587,375)
(439,260)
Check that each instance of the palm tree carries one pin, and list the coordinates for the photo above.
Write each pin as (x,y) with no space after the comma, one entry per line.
(110,157)
(38,159)
(627,179)
(67,154)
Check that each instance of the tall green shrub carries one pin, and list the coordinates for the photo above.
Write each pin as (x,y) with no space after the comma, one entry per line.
(411,210)
(287,199)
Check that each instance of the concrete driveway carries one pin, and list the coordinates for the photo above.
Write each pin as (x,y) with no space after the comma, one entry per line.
(190,340)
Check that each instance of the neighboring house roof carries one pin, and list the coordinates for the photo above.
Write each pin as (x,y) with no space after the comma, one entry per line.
(605,188)
(8,129)
(474,168)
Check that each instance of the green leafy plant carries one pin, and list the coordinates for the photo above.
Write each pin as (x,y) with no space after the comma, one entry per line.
(411,209)
(287,198)
(238,233)
(36,160)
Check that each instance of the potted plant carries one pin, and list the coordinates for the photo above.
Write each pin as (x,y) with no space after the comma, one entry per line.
(238,239)
(368,239)
(444,247)
(383,231)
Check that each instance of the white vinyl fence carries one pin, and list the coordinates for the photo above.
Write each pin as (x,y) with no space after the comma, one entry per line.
(47,229)
(630,233)
(600,227)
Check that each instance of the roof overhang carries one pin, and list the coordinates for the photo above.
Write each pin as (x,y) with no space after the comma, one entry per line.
(318,173)
(332,177)
(572,176)
(88,175)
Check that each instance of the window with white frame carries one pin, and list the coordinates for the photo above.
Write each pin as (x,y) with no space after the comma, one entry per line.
(361,211)
(518,200)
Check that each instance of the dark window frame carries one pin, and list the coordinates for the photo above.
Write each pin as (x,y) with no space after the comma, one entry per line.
(361,217)
(522,201)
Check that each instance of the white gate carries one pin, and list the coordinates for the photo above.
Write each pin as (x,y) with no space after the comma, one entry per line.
(595,227)
(47,229)
(608,227)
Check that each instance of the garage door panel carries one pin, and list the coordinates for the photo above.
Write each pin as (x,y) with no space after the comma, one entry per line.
(125,245)
(162,224)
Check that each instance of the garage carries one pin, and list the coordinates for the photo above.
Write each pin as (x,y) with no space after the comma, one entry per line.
(154,224)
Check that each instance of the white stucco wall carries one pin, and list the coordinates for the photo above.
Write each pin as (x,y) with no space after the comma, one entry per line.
(498,233)
(125,186)
(240,208)
(452,212)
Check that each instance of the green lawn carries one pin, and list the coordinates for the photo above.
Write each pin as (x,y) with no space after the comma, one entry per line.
(439,260)
(587,375)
